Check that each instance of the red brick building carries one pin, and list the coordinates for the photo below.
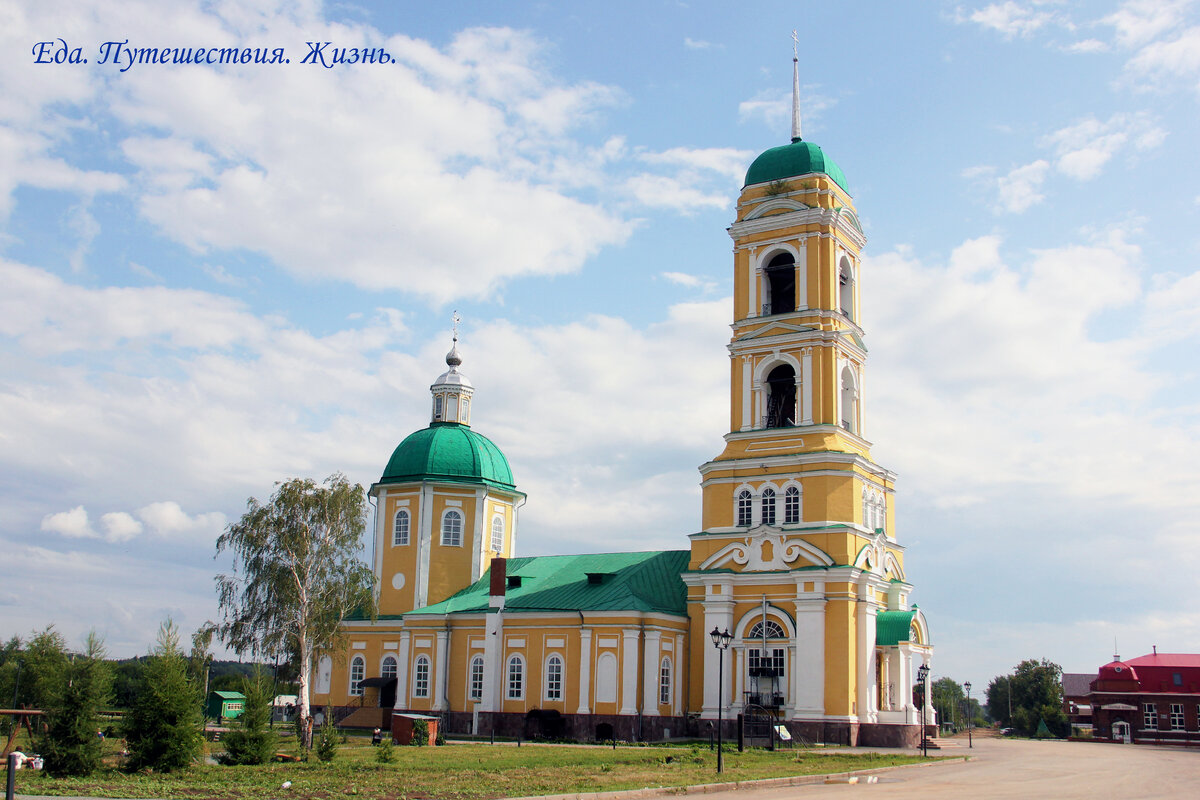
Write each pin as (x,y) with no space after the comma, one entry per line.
(1150,699)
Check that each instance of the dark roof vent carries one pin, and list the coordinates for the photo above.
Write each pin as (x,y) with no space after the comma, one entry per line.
(514,581)
(597,578)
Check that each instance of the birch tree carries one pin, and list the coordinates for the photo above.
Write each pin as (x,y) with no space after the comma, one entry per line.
(297,573)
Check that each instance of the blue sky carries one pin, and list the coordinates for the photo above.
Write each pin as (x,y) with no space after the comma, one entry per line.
(219,276)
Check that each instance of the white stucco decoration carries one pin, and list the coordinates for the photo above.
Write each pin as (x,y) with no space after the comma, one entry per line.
(398,580)
(766,548)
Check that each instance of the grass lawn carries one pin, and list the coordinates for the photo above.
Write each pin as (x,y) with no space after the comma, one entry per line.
(464,771)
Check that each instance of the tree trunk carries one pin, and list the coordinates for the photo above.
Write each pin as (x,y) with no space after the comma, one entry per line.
(306,722)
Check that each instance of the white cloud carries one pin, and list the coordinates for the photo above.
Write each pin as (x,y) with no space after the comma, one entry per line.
(1087,46)
(167,518)
(1083,149)
(73,524)
(1016,191)
(120,526)
(1137,22)
(661,191)
(774,107)
(724,161)
(1176,57)
(696,44)
(1010,18)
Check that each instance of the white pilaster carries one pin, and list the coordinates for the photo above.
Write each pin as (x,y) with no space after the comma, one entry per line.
(482,535)
(629,672)
(650,664)
(806,387)
(402,672)
(809,675)
(867,691)
(493,662)
(717,614)
(424,545)
(441,681)
(585,671)
(747,393)
(802,277)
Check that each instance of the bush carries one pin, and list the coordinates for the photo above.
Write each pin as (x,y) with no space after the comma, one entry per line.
(252,741)
(420,735)
(385,752)
(162,730)
(327,743)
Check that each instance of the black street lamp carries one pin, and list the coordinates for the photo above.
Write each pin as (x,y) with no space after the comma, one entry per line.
(923,679)
(970,713)
(720,640)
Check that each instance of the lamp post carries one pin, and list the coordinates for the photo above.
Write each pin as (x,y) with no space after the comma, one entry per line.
(970,713)
(923,679)
(720,640)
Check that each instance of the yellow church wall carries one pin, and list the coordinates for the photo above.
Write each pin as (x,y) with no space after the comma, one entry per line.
(399,559)
(453,564)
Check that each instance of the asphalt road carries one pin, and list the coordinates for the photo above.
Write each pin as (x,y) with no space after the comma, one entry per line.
(1017,768)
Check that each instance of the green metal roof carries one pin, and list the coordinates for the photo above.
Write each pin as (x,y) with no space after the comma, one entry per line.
(892,627)
(644,581)
(449,451)
(228,695)
(792,160)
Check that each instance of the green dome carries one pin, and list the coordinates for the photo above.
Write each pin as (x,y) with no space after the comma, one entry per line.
(448,451)
(791,160)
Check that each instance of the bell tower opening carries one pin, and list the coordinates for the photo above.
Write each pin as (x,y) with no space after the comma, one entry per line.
(780,284)
(781,397)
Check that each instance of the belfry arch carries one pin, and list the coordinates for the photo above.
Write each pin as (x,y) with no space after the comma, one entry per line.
(781,397)
(779,284)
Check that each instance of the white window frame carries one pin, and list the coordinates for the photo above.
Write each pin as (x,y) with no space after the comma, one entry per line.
(791,499)
(1149,716)
(475,679)
(554,683)
(399,531)
(421,676)
(498,533)
(446,533)
(745,508)
(358,674)
(1177,717)
(768,496)
(514,675)
(389,666)
(664,681)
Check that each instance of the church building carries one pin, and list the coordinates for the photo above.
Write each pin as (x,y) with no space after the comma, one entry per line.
(797,561)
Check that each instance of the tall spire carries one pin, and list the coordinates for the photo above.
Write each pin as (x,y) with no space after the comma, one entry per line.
(795,87)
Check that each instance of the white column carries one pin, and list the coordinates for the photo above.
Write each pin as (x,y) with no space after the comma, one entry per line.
(493,666)
(482,535)
(747,393)
(885,672)
(629,672)
(440,702)
(650,664)
(402,672)
(865,700)
(424,543)
(904,688)
(585,671)
(752,281)
(927,715)
(809,686)
(806,387)
(802,278)
(718,614)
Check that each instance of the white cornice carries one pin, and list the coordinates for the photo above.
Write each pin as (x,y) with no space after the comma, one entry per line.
(830,218)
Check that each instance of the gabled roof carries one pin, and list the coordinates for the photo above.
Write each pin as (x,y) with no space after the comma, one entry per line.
(642,581)
(1165,660)
(1077,684)
(228,695)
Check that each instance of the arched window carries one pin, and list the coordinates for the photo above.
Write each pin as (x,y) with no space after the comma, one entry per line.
(498,533)
(744,501)
(358,671)
(849,400)
(606,678)
(781,397)
(388,668)
(779,283)
(554,678)
(791,506)
(324,674)
(476,678)
(768,506)
(664,682)
(846,289)
(774,631)
(452,529)
(400,528)
(516,678)
(421,677)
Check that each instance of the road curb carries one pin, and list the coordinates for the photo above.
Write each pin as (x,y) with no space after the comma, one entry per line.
(763,783)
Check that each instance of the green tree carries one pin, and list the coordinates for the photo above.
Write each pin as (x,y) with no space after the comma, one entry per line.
(947,697)
(162,729)
(71,744)
(252,741)
(297,574)
(327,744)
(1035,693)
(43,662)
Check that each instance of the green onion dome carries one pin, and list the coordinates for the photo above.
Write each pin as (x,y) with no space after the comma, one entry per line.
(791,161)
(449,451)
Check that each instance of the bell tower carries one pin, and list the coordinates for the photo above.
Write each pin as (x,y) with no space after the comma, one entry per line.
(798,533)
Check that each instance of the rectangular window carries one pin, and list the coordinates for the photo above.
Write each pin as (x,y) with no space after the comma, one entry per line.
(554,674)
(1149,717)
(664,683)
(1176,716)
(477,679)
(771,665)
(516,678)
(421,678)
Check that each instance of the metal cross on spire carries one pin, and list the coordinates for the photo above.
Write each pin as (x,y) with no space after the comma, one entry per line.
(795,87)
(455,319)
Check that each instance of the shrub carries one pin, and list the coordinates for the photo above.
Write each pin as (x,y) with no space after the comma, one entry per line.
(385,752)
(420,735)
(327,742)
(252,741)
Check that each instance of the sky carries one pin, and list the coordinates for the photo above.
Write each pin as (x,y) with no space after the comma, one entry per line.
(214,277)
